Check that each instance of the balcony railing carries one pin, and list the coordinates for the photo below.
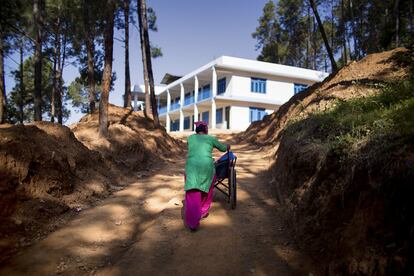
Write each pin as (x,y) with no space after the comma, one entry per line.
(175,106)
(162,110)
(188,100)
(204,94)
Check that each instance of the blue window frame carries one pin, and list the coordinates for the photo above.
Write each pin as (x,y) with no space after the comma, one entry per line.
(186,122)
(175,126)
(219,116)
(221,86)
(258,85)
(205,92)
(175,104)
(205,117)
(297,88)
(189,98)
(256,114)
(162,109)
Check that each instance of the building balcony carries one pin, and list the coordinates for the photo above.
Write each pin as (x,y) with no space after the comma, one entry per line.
(162,110)
(189,100)
(175,106)
(204,94)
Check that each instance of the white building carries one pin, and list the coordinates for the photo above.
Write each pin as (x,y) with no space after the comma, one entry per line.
(228,93)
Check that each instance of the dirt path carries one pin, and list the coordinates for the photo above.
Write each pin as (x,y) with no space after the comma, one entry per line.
(140,231)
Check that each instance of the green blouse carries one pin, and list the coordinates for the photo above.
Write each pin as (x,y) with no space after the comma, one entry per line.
(199,168)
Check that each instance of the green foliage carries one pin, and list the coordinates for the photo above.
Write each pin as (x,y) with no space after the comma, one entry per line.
(78,95)
(155,51)
(385,120)
(77,90)
(288,34)
(26,97)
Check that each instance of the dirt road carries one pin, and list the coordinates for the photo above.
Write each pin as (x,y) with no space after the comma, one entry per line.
(140,231)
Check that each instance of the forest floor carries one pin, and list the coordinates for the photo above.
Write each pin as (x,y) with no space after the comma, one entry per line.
(139,230)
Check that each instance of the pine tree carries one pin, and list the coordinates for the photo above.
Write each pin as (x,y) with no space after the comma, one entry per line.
(147,64)
(127,94)
(38,12)
(107,75)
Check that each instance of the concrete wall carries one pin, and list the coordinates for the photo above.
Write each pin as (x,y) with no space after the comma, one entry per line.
(277,90)
(240,117)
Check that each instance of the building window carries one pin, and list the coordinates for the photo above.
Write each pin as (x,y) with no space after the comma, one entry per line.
(299,88)
(186,122)
(221,86)
(205,93)
(189,98)
(175,126)
(258,85)
(219,116)
(205,117)
(256,114)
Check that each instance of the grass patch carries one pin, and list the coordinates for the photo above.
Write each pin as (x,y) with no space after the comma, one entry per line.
(384,120)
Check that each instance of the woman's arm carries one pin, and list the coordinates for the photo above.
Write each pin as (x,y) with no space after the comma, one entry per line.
(219,146)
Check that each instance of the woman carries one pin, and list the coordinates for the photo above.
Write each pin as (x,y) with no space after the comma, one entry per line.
(200,174)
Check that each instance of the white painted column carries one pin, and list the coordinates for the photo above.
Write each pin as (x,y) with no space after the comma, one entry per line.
(214,94)
(168,101)
(213,113)
(135,102)
(168,119)
(195,99)
(181,107)
(214,82)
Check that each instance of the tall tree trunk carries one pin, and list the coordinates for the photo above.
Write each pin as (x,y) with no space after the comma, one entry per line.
(343,27)
(142,10)
(56,57)
(59,77)
(308,39)
(325,39)
(54,85)
(332,26)
(3,101)
(107,74)
(354,32)
(411,19)
(90,49)
(127,95)
(314,42)
(22,87)
(38,26)
(397,22)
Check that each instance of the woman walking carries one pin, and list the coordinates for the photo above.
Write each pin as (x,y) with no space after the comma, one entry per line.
(200,174)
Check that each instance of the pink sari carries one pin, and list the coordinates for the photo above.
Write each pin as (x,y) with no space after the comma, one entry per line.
(197,205)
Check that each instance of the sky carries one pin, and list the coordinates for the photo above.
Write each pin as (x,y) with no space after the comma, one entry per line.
(190,33)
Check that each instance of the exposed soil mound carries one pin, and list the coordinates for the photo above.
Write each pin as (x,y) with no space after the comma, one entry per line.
(133,140)
(344,166)
(356,79)
(46,171)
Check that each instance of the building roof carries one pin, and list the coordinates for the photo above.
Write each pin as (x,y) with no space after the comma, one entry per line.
(140,89)
(168,78)
(241,64)
(255,66)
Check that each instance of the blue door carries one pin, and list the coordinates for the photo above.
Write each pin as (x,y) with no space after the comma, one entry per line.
(205,117)
(186,122)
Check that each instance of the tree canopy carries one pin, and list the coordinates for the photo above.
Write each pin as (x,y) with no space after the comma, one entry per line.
(287,31)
